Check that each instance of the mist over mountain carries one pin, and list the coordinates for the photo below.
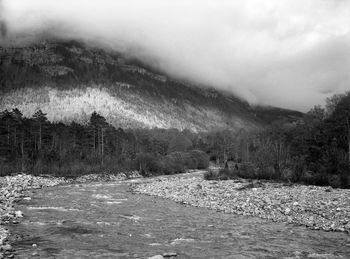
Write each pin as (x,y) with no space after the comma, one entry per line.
(69,80)
(287,54)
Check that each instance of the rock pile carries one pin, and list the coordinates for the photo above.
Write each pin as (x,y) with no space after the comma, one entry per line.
(316,207)
(107,177)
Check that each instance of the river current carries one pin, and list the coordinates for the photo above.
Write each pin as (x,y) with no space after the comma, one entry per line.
(105,220)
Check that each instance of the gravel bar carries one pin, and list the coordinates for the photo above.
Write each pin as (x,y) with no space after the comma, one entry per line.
(319,208)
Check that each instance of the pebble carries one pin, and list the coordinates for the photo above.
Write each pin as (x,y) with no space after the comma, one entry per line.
(316,207)
(156,257)
(6,247)
(19,214)
(167,255)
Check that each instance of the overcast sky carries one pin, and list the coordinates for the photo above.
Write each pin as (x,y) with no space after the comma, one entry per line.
(287,53)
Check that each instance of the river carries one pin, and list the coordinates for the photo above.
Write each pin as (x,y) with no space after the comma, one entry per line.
(105,220)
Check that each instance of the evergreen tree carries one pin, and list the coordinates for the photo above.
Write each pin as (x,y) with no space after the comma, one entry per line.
(40,121)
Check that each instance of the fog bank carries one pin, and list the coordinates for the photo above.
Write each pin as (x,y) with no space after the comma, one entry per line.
(285,53)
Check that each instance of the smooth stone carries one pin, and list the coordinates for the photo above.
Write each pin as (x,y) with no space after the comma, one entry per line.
(156,257)
(6,247)
(169,254)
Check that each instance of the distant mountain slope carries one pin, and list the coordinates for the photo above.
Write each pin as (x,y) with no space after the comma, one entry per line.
(69,80)
(269,114)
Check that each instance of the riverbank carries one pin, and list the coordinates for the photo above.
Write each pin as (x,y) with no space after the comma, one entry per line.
(319,208)
(13,189)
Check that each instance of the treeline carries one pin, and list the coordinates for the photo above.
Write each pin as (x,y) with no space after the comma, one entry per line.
(314,150)
(35,145)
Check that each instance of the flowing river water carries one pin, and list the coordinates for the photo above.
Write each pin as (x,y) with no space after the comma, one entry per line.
(105,220)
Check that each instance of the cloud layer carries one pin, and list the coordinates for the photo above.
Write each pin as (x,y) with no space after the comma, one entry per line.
(285,53)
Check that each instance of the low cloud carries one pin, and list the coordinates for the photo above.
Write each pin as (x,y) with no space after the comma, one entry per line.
(285,53)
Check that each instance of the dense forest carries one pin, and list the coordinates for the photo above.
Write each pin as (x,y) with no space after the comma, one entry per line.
(38,146)
(312,150)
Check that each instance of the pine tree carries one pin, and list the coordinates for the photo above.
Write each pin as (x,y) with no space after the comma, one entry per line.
(40,121)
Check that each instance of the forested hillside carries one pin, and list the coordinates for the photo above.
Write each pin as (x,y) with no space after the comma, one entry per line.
(69,81)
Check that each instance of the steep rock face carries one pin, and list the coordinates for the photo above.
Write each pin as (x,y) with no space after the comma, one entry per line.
(69,80)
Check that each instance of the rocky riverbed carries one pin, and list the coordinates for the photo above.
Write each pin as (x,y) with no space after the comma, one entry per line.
(319,208)
(13,189)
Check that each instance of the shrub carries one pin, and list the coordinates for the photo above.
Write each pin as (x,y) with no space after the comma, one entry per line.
(247,171)
(267,173)
(226,174)
(175,162)
(148,163)
(210,175)
(201,159)
(288,175)
(223,174)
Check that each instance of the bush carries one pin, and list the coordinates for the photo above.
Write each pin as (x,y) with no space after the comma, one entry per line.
(210,175)
(267,173)
(247,171)
(148,163)
(201,159)
(223,174)
(288,175)
(313,178)
(323,179)
(227,174)
(176,162)
(173,163)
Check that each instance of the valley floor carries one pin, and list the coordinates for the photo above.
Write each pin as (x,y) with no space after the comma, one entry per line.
(319,208)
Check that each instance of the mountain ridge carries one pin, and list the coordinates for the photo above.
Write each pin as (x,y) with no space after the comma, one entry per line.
(69,80)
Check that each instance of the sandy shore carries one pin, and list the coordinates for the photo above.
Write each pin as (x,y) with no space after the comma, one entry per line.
(321,208)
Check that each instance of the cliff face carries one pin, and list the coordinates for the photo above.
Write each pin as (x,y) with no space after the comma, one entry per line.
(69,80)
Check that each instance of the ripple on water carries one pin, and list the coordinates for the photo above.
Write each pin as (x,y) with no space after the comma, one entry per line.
(101,196)
(163,226)
(52,208)
(38,223)
(103,223)
(179,241)
(113,202)
(131,217)
(77,229)
(156,244)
